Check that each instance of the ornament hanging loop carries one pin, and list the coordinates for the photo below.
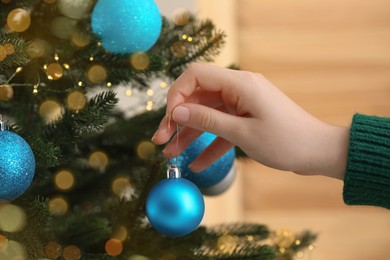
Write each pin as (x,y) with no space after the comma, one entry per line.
(173,171)
(3,125)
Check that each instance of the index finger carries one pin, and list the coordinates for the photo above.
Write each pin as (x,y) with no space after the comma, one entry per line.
(204,76)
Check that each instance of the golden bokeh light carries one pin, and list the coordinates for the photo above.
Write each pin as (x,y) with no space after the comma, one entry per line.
(6,1)
(139,60)
(14,251)
(12,218)
(50,111)
(226,242)
(149,105)
(38,48)
(53,250)
(98,160)
(3,243)
(72,253)
(9,48)
(120,234)
(181,16)
(163,84)
(18,20)
(76,101)
(284,238)
(121,186)
(150,92)
(3,53)
(80,39)
(128,92)
(6,92)
(64,180)
(97,74)
(114,247)
(145,150)
(58,206)
(179,49)
(54,71)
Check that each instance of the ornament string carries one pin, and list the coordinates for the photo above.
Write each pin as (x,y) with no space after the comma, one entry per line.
(176,158)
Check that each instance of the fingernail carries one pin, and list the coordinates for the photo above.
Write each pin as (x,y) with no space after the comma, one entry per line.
(154,135)
(181,114)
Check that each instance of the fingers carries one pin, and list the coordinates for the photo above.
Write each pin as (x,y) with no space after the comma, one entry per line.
(180,142)
(165,130)
(206,119)
(206,77)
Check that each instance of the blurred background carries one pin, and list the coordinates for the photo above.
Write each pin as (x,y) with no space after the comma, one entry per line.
(332,58)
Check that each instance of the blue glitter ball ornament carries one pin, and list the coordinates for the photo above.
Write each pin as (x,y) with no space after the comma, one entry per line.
(218,177)
(127,26)
(175,206)
(17,165)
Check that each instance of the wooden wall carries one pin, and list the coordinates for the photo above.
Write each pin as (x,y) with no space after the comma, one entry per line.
(333,58)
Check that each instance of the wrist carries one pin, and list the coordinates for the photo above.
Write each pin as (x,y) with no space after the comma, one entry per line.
(328,155)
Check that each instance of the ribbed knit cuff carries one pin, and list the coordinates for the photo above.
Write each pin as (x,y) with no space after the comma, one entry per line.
(367,179)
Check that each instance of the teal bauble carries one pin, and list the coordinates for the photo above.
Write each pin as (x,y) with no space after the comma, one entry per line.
(126,26)
(175,206)
(215,179)
(17,165)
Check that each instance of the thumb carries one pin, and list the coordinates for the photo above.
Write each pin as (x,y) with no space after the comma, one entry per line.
(206,119)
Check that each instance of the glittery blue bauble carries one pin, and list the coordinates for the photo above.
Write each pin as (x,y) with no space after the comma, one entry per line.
(175,207)
(127,26)
(215,173)
(17,166)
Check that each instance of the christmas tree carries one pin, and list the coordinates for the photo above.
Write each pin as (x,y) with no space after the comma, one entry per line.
(76,171)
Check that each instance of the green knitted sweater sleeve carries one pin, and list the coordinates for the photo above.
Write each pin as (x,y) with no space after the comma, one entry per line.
(367,179)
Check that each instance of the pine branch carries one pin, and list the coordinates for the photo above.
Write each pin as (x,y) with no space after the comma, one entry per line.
(19,57)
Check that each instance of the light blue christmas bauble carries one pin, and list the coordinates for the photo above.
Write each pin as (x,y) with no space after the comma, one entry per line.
(17,166)
(127,26)
(217,177)
(175,207)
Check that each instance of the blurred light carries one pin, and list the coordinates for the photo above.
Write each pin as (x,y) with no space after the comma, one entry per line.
(18,20)
(3,243)
(12,218)
(138,257)
(150,92)
(14,251)
(6,92)
(56,57)
(80,39)
(109,84)
(114,247)
(184,36)
(145,150)
(97,74)
(122,187)
(76,100)
(66,66)
(140,60)
(50,111)
(128,92)
(190,39)
(58,206)
(54,71)
(53,250)
(120,233)
(64,180)
(72,253)
(80,83)
(98,160)
(163,84)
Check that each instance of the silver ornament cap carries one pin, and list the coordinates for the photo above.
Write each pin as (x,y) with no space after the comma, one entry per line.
(173,171)
(3,125)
